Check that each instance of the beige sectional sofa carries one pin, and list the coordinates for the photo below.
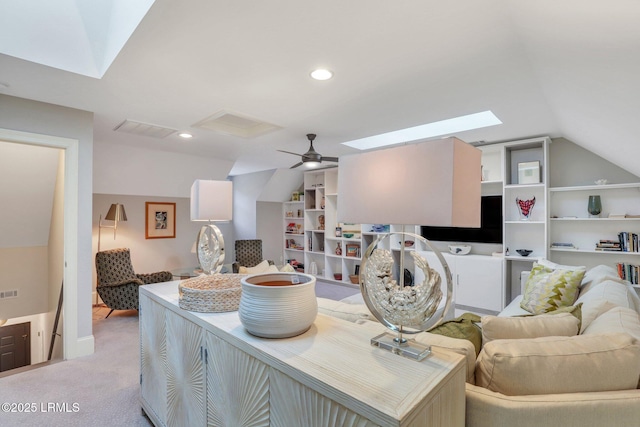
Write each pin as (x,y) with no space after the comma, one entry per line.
(579,366)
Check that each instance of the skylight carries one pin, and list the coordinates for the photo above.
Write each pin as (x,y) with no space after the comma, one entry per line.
(442,127)
(80,37)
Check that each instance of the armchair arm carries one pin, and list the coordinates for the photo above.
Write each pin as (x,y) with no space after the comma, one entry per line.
(121,283)
(160,276)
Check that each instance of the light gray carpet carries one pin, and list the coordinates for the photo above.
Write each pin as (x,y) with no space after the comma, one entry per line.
(100,389)
(104,387)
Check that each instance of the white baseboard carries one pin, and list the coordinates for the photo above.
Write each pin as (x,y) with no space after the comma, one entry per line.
(83,347)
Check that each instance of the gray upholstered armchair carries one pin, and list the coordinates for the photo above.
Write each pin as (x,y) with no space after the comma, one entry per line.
(118,283)
(248,253)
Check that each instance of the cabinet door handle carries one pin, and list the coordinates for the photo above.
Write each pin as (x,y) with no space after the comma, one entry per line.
(458,279)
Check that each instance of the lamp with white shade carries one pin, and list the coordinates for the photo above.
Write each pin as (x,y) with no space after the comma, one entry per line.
(211,201)
(116,214)
(433,183)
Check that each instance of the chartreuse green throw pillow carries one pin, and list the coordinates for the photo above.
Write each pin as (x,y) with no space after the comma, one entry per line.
(464,327)
(549,289)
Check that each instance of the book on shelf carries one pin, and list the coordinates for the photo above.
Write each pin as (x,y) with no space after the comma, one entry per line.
(629,272)
(608,245)
(628,241)
(561,245)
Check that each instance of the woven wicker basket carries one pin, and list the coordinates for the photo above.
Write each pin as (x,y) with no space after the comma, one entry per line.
(214,293)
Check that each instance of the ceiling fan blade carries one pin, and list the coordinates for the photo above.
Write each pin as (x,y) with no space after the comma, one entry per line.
(329,159)
(289,152)
(296,165)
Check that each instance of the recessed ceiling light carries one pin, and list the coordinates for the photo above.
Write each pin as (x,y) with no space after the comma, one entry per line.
(321,74)
(185,135)
(442,127)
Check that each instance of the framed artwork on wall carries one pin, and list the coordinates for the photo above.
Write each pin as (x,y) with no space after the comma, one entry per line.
(529,172)
(160,220)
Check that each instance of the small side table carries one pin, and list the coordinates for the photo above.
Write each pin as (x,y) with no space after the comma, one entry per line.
(185,273)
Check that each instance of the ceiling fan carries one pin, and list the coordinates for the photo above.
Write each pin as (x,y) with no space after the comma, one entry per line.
(311,158)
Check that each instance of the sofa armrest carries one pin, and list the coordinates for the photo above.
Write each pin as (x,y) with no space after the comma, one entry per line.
(485,408)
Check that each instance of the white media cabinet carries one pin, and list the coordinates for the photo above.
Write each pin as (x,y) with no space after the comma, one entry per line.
(201,369)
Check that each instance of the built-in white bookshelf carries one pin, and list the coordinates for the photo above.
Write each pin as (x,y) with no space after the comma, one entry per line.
(571,224)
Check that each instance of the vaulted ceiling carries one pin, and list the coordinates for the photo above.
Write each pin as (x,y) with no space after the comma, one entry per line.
(566,68)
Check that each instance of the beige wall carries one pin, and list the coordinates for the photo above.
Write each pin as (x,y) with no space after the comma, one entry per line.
(25,270)
(150,255)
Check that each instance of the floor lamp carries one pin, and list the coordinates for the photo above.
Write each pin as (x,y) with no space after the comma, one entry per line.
(116,213)
(211,201)
(430,183)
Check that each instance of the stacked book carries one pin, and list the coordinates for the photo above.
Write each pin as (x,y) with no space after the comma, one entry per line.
(629,272)
(561,245)
(628,241)
(608,245)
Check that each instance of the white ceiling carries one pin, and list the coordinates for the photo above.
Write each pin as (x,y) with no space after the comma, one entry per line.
(553,68)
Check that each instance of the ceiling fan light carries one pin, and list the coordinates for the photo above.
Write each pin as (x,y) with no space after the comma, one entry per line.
(321,74)
(311,164)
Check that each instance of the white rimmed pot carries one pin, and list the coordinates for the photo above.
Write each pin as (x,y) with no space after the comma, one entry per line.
(278,311)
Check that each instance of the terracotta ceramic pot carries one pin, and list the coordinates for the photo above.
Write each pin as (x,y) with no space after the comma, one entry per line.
(278,305)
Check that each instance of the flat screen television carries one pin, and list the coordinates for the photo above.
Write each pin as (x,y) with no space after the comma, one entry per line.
(490,230)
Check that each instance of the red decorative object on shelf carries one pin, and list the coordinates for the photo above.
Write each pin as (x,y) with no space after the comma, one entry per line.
(525,207)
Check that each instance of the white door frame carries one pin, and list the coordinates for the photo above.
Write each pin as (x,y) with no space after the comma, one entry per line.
(72,346)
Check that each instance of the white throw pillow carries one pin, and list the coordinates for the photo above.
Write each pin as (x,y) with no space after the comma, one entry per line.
(263,267)
(546,325)
(287,268)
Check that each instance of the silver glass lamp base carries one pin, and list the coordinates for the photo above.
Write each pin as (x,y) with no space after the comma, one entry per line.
(404,308)
(210,249)
(409,348)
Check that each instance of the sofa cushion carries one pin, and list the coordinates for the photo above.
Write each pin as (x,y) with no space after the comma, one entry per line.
(497,328)
(583,363)
(598,274)
(603,297)
(617,319)
(548,289)
(514,309)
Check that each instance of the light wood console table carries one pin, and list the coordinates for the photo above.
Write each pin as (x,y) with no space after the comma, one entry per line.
(202,369)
